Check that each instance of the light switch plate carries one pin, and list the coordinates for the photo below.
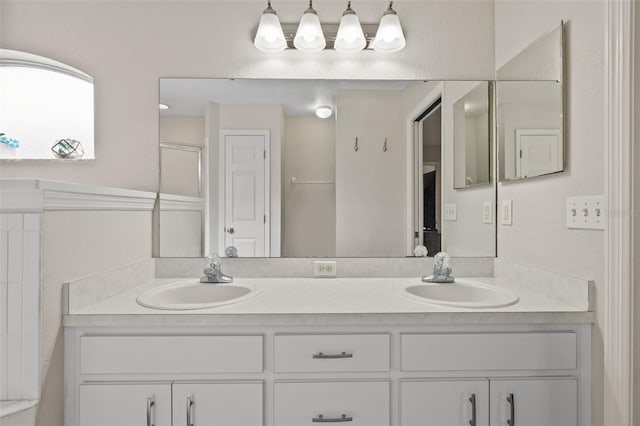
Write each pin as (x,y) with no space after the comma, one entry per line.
(586,212)
(507,212)
(451,212)
(486,212)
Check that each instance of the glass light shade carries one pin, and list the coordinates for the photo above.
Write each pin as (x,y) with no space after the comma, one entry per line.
(309,36)
(270,37)
(389,37)
(350,37)
(324,112)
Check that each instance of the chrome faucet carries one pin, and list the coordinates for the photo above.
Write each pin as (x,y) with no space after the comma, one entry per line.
(213,272)
(441,270)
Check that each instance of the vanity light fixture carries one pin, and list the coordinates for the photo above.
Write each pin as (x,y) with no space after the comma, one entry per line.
(389,37)
(350,37)
(309,36)
(270,37)
(324,112)
(163,106)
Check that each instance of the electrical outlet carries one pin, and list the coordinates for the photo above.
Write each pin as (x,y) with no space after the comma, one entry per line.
(451,212)
(486,212)
(324,268)
(507,212)
(586,212)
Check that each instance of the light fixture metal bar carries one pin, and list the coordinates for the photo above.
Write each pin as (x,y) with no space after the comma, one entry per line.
(330,32)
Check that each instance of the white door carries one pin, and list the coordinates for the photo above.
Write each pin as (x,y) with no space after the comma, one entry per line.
(245,218)
(217,404)
(125,404)
(444,403)
(534,402)
(539,152)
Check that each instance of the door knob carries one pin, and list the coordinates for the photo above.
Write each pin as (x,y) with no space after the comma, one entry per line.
(230,230)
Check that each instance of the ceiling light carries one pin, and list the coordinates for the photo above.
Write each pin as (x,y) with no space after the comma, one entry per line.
(309,36)
(163,106)
(270,37)
(350,37)
(324,112)
(389,37)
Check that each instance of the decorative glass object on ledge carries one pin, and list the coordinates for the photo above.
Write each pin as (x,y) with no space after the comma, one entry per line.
(67,148)
(43,100)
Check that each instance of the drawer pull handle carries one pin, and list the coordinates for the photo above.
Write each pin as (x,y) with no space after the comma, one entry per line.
(321,355)
(189,411)
(323,419)
(150,404)
(472,400)
(512,410)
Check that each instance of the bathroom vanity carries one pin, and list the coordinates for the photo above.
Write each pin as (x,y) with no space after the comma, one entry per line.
(303,351)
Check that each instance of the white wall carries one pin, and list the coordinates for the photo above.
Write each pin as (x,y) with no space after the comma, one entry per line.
(77,244)
(126,47)
(467,236)
(538,236)
(309,210)
(370,196)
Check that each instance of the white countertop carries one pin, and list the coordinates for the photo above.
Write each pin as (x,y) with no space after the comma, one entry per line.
(326,301)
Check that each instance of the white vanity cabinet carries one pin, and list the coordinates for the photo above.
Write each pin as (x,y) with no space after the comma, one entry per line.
(437,402)
(124,404)
(357,375)
(534,402)
(217,404)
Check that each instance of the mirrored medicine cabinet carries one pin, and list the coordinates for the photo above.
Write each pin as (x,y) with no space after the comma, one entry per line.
(353,168)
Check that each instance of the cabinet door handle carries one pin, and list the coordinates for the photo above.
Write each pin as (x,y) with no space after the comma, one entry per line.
(323,419)
(472,400)
(512,410)
(321,355)
(150,404)
(189,411)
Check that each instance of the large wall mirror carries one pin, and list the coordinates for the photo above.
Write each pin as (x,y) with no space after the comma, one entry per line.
(353,168)
(327,168)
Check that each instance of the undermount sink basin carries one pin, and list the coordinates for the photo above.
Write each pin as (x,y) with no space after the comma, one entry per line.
(463,293)
(191,294)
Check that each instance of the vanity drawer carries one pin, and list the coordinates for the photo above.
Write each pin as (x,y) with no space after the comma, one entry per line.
(489,351)
(361,403)
(170,354)
(331,353)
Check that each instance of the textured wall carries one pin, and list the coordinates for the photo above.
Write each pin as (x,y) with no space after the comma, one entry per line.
(539,236)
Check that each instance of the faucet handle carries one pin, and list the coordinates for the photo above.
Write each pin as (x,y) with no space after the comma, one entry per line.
(213,261)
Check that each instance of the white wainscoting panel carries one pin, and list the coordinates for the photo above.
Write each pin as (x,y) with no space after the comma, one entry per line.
(20,271)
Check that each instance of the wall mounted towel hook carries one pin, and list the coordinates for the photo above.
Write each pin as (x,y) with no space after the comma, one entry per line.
(355,147)
(384,146)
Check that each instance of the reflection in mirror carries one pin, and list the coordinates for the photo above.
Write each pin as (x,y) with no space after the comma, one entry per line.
(530,110)
(46,109)
(472,147)
(530,128)
(279,180)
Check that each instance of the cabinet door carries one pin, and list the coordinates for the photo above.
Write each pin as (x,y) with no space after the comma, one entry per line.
(143,404)
(217,404)
(534,402)
(444,402)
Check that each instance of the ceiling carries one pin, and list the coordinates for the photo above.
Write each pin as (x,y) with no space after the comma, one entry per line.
(190,96)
